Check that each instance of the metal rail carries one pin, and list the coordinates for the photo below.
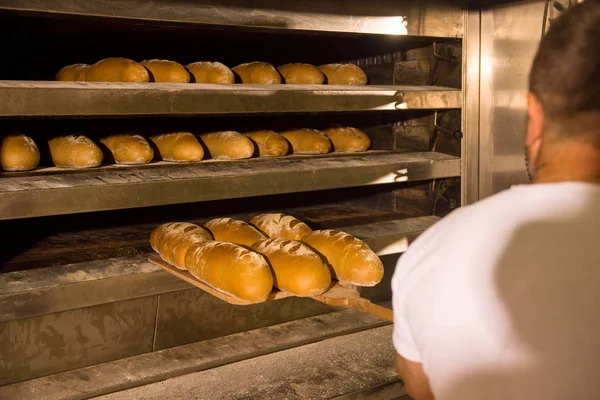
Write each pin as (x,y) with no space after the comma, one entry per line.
(24,195)
(75,99)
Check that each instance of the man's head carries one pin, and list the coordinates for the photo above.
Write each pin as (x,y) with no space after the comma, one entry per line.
(564,98)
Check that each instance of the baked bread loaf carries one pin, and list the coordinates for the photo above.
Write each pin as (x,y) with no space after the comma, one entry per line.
(74,72)
(172,241)
(228,145)
(231,269)
(348,139)
(117,70)
(234,231)
(18,153)
(344,74)
(166,71)
(301,74)
(260,73)
(128,149)
(210,72)
(350,259)
(269,143)
(179,146)
(279,225)
(297,268)
(308,141)
(74,151)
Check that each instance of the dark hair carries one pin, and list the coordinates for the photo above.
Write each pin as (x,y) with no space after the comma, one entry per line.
(565,75)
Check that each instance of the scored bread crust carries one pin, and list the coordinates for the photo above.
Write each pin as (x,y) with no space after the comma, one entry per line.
(351,260)
(258,72)
(344,74)
(347,139)
(231,269)
(128,149)
(297,268)
(269,143)
(308,141)
(75,151)
(173,239)
(279,225)
(178,147)
(18,153)
(234,231)
(228,145)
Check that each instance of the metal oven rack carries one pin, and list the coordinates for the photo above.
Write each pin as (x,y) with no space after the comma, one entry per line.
(94,287)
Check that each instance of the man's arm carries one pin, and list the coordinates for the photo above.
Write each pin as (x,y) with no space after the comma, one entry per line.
(414,378)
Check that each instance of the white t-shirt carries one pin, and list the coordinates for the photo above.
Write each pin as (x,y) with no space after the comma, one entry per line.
(501,299)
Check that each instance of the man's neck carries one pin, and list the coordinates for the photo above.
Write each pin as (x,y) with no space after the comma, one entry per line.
(569,163)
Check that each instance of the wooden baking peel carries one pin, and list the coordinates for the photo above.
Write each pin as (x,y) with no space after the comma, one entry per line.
(336,296)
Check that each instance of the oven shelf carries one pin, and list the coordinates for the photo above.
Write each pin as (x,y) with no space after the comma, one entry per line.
(74,285)
(428,18)
(75,99)
(54,191)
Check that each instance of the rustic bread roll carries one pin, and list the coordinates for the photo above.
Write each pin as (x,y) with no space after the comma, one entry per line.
(297,268)
(260,73)
(74,151)
(308,141)
(269,143)
(234,231)
(278,225)
(211,72)
(348,139)
(344,74)
(117,70)
(128,149)
(228,145)
(166,71)
(301,74)
(74,72)
(172,241)
(351,260)
(231,269)
(18,153)
(179,146)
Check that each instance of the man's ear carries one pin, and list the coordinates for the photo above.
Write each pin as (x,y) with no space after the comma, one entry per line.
(535,127)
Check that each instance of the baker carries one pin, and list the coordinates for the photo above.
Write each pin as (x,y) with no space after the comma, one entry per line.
(501,299)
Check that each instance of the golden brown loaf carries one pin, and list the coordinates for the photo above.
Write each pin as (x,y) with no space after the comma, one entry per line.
(278,225)
(269,143)
(308,141)
(344,74)
(351,260)
(166,71)
(211,72)
(234,231)
(301,74)
(18,153)
(297,268)
(117,70)
(172,241)
(348,139)
(74,72)
(257,72)
(178,146)
(128,149)
(231,269)
(228,145)
(75,151)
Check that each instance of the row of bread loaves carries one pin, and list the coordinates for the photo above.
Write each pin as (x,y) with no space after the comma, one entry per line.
(125,70)
(20,153)
(245,260)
